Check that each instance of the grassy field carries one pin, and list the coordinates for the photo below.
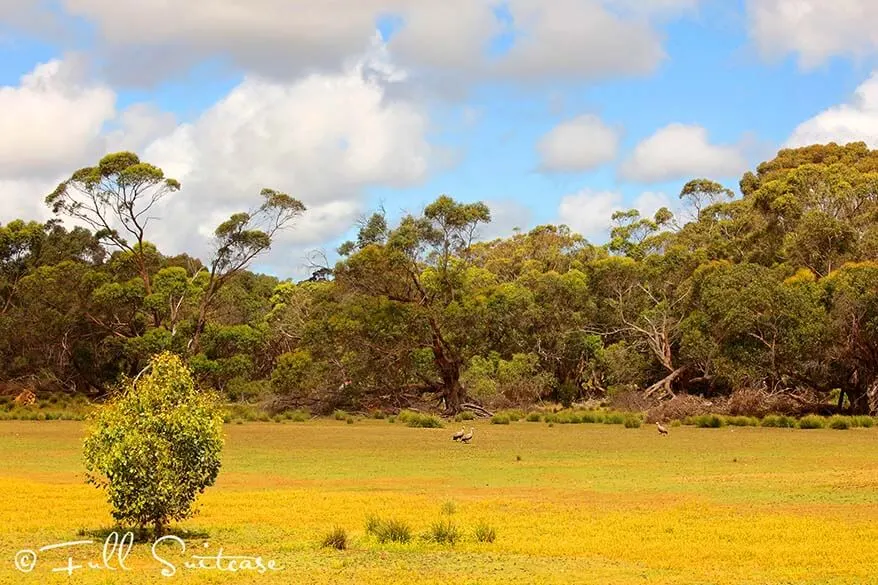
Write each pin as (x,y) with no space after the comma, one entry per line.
(570,504)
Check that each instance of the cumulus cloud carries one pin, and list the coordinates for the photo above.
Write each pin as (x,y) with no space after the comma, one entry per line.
(852,122)
(590,212)
(51,120)
(582,39)
(680,151)
(324,139)
(815,29)
(578,144)
(506,216)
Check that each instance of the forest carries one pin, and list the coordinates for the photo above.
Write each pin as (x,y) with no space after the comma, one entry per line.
(767,301)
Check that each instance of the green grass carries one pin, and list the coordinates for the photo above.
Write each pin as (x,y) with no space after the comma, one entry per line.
(584,503)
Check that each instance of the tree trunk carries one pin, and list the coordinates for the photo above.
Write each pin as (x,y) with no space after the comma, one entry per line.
(159,527)
(664,387)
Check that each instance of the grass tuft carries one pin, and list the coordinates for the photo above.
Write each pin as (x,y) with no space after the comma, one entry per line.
(500,419)
(443,532)
(484,532)
(337,538)
(534,417)
(840,423)
(632,422)
(812,421)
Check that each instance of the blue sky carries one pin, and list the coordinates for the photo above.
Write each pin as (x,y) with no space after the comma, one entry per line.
(663,91)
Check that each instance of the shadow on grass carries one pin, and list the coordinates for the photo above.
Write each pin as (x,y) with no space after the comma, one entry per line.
(146,535)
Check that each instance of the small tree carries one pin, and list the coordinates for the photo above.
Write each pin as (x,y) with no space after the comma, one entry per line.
(155,446)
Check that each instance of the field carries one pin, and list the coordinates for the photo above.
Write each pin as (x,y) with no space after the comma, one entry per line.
(570,504)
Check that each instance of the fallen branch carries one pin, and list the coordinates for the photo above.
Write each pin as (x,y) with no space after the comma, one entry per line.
(477,409)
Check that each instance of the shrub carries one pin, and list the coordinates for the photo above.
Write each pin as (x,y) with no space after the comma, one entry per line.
(391,419)
(485,533)
(632,422)
(340,415)
(423,421)
(377,414)
(534,417)
(449,508)
(443,532)
(349,420)
(840,423)
(154,446)
(742,421)
(515,415)
(709,421)
(467,415)
(499,419)
(781,421)
(392,531)
(550,417)
(812,422)
(614,418)
(297,416)
(337,539)
(867,422)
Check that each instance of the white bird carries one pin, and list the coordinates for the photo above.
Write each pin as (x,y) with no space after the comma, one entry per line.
(662,430)
(467,437)
(457,436)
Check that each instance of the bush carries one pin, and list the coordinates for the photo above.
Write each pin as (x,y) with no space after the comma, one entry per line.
(840,423)
(485,533)
(443,532)
(534,417)
(742,421)
(423,421)
(632,422)
(867,422)
(499,419)
(155,446)
(340,415)
(614,418)
(773,420)
(812,422)
(709,421)
(337,539)
(467,415)
(392,531)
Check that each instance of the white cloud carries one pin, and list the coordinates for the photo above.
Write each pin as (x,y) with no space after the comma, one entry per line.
(52,120)
(506,215)
(324,139)
(590,212)
(583,39)
(578,144)
(680,151)
(815,29)
(852,122)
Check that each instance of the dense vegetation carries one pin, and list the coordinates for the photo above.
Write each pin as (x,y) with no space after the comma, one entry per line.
(770,299)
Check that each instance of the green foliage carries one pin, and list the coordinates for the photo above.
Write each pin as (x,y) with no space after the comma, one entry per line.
(500,419)
(534,417)
(839,423)
(785,422)
(443,531)
(155,446)
(389,530)
(632,421)
(708,421)
(812,422)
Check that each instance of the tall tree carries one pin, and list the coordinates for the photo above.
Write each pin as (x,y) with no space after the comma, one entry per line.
(240,239)
(116,198)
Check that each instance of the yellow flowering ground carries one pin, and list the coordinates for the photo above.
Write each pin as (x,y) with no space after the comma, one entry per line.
(570,504)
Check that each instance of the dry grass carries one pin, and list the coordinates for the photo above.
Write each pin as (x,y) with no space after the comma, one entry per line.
(586,503)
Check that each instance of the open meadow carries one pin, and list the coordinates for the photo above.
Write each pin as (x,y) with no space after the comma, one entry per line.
(569,503)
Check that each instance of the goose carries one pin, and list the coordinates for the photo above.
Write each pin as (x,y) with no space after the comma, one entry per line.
(457,436)
(467,437)
(661,429)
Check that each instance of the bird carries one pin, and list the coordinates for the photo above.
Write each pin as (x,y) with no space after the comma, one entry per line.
(467,437)
(457,435)
(661,429)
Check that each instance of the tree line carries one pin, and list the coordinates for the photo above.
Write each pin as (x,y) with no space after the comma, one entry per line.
(775,291)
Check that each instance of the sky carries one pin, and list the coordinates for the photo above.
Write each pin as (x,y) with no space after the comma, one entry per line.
(550,111)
